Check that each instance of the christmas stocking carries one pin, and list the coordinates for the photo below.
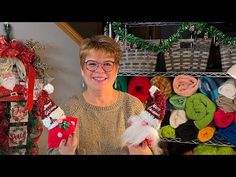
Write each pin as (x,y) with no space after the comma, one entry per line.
(53,117)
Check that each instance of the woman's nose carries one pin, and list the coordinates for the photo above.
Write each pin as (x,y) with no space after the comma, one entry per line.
(99,68)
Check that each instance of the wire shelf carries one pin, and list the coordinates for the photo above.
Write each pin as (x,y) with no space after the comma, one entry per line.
(148,24)
(216,140)
(138,24)
(174,74)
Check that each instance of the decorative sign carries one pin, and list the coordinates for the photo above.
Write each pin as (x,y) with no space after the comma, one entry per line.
(17,112)
(17,136)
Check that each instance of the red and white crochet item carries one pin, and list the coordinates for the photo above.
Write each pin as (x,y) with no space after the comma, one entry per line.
(146,125)
(53,117)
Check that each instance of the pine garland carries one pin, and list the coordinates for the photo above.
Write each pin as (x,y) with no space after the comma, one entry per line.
(198,27)
(33,132)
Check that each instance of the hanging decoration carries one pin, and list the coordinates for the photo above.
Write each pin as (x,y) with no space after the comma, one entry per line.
(22,77)
(196,27)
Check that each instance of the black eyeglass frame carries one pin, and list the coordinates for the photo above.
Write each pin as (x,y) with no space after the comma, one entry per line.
(97,65)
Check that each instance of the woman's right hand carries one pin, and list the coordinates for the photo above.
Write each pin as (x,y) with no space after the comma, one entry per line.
(68,147)
(141,149)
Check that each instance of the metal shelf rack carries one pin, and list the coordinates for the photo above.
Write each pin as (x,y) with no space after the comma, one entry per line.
(173,74)
(216,140)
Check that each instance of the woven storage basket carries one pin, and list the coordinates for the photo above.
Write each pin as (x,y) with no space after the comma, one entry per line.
(188,55)
(139,60)
(228,56)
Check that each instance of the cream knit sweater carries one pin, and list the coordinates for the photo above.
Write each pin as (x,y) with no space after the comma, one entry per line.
(99,129)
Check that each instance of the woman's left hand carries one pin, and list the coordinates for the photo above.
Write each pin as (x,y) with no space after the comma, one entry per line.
(141,149)
(69,147)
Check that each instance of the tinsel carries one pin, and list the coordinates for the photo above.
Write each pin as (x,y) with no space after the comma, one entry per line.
(196,27)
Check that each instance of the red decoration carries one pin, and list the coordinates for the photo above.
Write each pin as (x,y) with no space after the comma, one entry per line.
(17,136)
(44,105)
(17,94)
(27,56)
(61,131)
(138,86)
(17,139)
(157,106)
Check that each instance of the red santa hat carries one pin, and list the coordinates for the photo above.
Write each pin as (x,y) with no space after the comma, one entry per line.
(146,125)
(48,111)
(53,118)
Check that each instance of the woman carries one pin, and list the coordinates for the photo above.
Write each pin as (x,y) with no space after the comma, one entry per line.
(102,111)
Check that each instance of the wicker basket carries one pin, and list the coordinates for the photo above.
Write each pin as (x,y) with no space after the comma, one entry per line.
(228,56)
(188,55)
(139,60)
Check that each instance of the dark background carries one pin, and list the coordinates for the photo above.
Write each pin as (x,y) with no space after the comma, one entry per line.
(87,29)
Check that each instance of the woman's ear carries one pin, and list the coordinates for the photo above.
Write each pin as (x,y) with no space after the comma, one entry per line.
(82,72)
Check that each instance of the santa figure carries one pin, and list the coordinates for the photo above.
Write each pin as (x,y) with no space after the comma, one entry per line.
(53,117)
(145,126)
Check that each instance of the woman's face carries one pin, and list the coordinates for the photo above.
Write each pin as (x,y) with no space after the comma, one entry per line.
(99,71)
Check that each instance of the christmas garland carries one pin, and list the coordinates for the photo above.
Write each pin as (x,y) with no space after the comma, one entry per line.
(34,131)
(196,27)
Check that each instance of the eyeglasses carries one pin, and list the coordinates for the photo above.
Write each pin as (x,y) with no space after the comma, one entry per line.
(92,66)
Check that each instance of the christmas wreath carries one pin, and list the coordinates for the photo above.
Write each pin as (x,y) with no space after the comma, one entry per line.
(22,76)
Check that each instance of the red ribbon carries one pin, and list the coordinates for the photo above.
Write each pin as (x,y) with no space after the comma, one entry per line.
(31,76)
(27,56)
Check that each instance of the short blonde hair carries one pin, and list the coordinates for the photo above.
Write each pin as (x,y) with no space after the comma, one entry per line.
(100,43)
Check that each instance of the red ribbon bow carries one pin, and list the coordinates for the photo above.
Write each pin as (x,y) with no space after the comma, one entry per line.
(17,49)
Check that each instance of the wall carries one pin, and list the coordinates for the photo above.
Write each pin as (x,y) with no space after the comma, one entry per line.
(61,54)
(87,29)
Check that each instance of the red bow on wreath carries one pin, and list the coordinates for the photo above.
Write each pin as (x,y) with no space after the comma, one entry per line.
(27,56)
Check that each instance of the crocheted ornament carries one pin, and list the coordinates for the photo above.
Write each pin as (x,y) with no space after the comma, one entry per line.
(146,125)
(61,131)
(53,117)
